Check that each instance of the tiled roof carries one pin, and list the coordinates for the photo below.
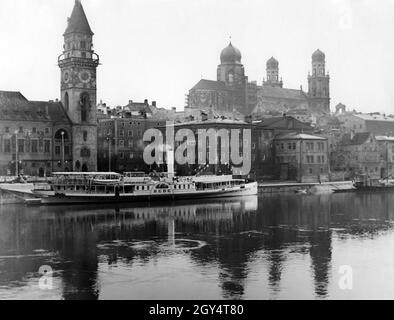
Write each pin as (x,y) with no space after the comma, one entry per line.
(139,107)
(283,93)
(14,106)
(78,23)
(299,136)
(210,85)
(281,123)
(374,117)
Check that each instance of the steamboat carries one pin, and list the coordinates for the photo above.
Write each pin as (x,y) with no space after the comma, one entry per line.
(104,187)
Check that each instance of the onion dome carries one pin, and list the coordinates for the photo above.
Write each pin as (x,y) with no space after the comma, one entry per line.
(318,56)
(230,54)
(272,63)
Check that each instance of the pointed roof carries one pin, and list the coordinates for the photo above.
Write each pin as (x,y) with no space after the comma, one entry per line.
(78,23)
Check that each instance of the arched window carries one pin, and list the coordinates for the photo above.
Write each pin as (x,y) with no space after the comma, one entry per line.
(85,106)
(78,164)
(85,136)
(61,135)
(66,101)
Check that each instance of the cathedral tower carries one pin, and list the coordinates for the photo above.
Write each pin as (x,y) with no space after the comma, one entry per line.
(319,84)
(231,72)
(273,74)
(78,65)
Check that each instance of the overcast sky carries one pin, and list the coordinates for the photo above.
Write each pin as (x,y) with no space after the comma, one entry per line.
(158,49)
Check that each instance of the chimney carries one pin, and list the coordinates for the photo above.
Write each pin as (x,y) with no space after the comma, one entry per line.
(130,101)
(173,109)
(154,104)
(146,101)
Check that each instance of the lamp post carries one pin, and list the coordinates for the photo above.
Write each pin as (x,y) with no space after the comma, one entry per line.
(16,154)
(62,133)
(109,153)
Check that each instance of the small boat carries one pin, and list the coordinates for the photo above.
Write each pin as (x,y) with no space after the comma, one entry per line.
(99,187)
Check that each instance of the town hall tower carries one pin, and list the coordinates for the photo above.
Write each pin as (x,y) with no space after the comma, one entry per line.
(78,64)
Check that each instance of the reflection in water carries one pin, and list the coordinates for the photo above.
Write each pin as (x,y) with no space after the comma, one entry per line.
(233,243)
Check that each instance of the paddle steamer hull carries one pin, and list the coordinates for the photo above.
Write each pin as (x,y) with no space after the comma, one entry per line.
(84,198)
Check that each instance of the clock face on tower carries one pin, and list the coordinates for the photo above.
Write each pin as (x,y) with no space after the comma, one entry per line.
(85,76)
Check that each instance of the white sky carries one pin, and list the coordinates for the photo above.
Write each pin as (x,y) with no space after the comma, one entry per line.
(158,49)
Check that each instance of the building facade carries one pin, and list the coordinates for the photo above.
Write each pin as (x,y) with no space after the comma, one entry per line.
(376,123)
(302,157)
(35,136)
(365,153)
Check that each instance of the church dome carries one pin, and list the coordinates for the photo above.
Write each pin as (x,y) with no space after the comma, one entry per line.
(318,56)
(272,63)
(230,54)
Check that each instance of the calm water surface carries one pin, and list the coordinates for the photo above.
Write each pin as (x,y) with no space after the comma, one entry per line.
(263,247)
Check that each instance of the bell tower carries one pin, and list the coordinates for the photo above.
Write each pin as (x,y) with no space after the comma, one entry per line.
(319,84)
(78,64)
(273,74)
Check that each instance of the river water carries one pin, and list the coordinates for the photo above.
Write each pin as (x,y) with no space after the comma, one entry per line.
(260,247)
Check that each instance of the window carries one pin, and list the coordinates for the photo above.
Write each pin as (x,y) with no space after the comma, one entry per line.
(121,133)
(34,146)
(294,145)
(46,130)
(289,146)
(121,143)
(83,44)
(83,54)
(7,130)
(85,136)
(7,145)
(66,102)
(21,145)
(57,150)
(20,129)
(85,105)
(66,150)
(131,155)
(310,171)
(47,146)
(122,155)
(131,144)
(34,130)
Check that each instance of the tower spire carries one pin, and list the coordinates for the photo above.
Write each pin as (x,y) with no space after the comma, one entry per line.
(78,23)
